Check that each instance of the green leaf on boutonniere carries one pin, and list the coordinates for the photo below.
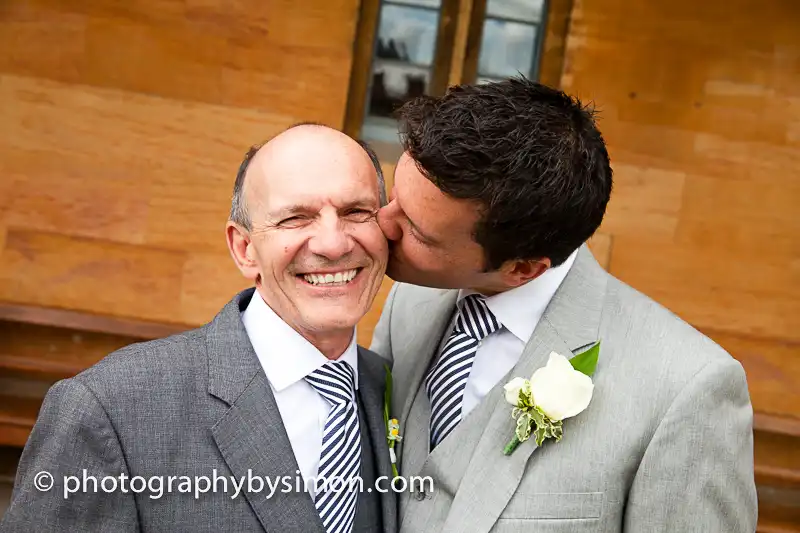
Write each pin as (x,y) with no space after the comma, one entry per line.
(586,362)
(523,430)
(545,427)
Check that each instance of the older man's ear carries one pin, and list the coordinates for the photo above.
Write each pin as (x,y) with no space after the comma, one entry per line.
(242,251)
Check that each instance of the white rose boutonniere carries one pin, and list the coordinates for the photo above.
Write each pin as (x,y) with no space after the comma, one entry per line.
(561,389)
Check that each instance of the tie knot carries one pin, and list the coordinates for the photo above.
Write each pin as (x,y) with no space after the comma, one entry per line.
(335,381)
(475,319)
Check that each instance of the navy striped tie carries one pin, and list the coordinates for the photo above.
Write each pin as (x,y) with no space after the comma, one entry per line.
(340,455)
(446,382)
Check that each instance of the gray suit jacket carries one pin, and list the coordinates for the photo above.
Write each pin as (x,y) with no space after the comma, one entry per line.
(195,404)
(665,445)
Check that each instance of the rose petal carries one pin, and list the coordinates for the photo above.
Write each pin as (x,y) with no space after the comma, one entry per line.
(559,390)
(512,389)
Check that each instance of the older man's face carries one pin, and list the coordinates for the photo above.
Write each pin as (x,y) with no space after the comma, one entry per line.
(320,253)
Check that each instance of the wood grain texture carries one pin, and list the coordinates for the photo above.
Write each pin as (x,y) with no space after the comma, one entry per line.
(52,270)
(81,321)
(367,324)
(700,112)
(773,373)
(43,352)
(600,245)
(123,126)
(554,45)
(266,55)
(209,282)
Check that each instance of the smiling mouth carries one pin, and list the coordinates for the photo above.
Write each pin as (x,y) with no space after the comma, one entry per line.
(330,279)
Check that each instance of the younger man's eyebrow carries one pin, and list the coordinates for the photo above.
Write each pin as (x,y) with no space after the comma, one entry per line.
(419,232)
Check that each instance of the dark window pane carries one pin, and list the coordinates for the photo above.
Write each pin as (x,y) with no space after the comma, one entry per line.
(393,83)
(527,10)
(407,34)
(405,49)
(435,4)
(507,49)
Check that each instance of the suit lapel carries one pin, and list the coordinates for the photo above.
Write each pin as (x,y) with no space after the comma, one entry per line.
(251,436)
(490,473)
(570,323)
(371,387)
(416,442)
(421,341)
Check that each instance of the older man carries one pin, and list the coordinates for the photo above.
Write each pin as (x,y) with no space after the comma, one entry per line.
(498,189)
(257,420)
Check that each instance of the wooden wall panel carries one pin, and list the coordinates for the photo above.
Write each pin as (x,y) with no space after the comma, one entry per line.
(123,125)
(270,55)
(556,30)
(52,270)
(209,281)
(772,370)
(698,102)
(59,193)
(119,166)
(367,324)
(125,168)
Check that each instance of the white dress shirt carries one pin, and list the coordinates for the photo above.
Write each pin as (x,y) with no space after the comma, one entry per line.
(287,358)
(519,311)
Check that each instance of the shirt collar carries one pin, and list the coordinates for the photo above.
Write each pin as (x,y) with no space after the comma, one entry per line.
(520,309)
(286,356)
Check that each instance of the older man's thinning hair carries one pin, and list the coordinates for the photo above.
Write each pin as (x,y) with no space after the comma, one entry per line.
(239,213)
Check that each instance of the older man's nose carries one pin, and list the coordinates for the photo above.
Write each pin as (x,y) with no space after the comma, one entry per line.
(331,241)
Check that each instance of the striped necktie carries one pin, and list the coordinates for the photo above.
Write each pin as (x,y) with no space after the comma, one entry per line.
(340,455)
(446,382)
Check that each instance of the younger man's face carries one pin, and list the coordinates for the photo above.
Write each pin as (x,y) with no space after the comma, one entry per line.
(431,234)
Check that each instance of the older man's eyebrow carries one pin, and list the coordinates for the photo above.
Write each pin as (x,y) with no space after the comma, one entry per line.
(362,203)
(291,210)
(367,204)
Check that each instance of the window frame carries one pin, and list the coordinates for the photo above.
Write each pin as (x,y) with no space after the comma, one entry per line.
(445,70)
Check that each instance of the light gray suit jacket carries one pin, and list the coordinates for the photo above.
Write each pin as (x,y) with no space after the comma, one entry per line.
(181,406)
(665,445)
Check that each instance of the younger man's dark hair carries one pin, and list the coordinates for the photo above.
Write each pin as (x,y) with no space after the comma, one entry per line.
(530,156)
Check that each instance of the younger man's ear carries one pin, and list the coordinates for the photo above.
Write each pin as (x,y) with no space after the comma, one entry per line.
(520,271)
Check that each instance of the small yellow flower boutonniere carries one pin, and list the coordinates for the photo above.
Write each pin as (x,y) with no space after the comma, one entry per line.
(561,389)
(392,424)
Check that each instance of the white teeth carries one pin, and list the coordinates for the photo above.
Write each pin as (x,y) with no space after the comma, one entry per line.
(328,279)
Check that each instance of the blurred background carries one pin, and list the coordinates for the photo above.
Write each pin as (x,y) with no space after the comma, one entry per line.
(122,125)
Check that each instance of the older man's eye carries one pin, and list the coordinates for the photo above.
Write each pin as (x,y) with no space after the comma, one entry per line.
(293,221)
(359,215)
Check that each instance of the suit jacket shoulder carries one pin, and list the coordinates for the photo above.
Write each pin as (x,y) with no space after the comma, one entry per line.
(139,368)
